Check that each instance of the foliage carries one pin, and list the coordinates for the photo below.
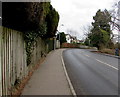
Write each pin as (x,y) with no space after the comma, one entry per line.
(52,20)
(108,51)
(62,37)
(87,42)
(31,17)
(34,19)
(100,33)
(24,16)
(117,45)
(87,30)
(30,39)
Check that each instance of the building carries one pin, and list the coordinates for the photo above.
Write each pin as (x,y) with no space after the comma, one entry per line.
(72,39)
(68,38)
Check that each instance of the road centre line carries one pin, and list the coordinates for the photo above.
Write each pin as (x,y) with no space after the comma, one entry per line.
(87,55)
(104,63)
(107,64)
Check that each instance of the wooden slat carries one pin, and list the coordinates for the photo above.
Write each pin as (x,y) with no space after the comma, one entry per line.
(13,57)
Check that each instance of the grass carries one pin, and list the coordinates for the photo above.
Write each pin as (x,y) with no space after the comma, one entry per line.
(109,51)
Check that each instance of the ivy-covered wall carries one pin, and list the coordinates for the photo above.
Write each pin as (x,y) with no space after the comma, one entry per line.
(16,61)
(33,19)
(27,37)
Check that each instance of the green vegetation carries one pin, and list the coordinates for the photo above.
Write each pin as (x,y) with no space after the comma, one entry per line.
(109,51)
(87,42)
(52,20)
(33,19)
(62,37)
(100,35)
(117,45)
(40,18)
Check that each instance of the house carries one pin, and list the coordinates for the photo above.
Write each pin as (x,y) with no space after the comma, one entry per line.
(71,39)
(68,38)
(80,41)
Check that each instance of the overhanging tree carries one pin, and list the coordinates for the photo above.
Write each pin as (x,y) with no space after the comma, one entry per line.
(52,20)
(30,19)
(36,18)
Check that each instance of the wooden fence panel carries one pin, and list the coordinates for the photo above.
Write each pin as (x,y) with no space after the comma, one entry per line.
(0,62)
(13,59)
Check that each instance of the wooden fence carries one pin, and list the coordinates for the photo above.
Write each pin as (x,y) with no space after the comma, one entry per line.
(0,63)
(13,58)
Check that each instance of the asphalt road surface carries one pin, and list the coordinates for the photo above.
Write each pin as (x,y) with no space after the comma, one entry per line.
(91,73)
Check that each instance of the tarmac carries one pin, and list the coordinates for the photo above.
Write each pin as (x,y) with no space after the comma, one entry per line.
(50,78)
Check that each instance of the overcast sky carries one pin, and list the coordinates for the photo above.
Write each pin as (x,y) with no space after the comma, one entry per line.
(75,14)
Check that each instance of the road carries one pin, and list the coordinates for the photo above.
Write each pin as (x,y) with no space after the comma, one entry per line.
(91,73)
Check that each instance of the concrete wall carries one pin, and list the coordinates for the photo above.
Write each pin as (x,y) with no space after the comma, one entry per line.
(57,44)
(0,63)
(13,58)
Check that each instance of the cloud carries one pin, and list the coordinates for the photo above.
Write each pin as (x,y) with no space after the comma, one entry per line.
(75,14)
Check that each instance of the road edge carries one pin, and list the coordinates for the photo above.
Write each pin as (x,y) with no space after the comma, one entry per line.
(118,57)
(68,79)
(112,56)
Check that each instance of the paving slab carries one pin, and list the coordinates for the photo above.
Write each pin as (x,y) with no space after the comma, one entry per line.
(49,78)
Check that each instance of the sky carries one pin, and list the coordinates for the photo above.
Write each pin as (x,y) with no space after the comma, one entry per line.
(77,14)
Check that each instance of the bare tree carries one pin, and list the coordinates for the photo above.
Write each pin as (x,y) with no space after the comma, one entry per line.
(86,30)
(115,13)
(72,32)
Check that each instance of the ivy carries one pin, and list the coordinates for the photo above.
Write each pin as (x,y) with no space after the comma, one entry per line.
(33,19)
(31,37)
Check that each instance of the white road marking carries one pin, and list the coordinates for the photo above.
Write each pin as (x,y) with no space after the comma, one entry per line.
(68,79)
(107,64)
(87,55)
(104,63)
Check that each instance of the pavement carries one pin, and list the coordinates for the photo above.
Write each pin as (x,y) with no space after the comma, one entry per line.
(49,78)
